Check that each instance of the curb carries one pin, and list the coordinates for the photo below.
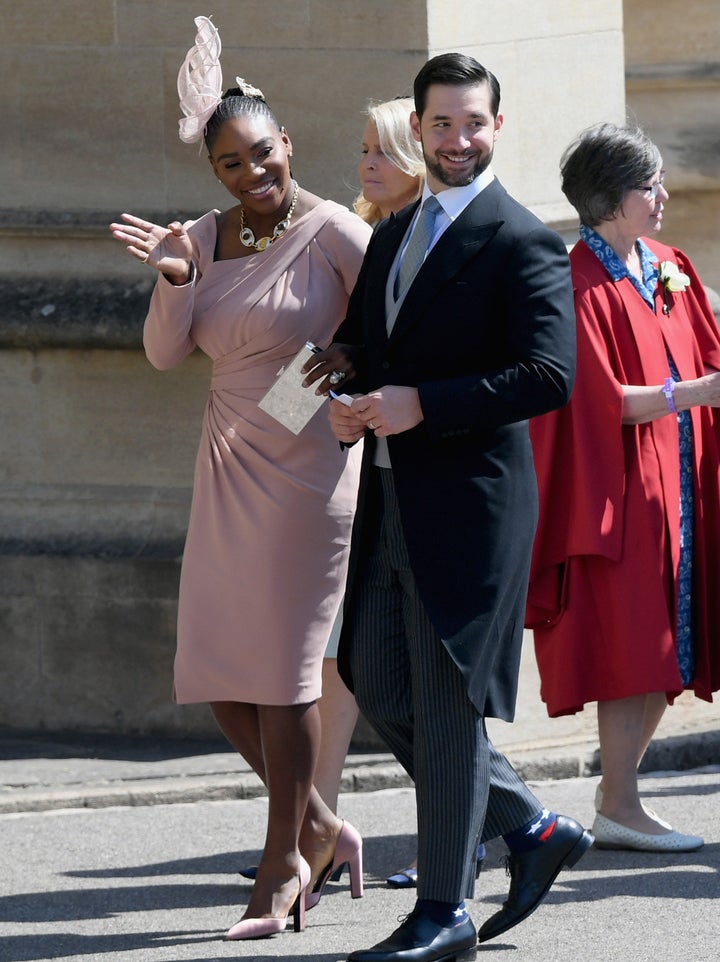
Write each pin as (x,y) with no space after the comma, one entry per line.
(675,753)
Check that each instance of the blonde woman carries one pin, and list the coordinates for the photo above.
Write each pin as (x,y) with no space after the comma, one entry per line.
(391,173)
(391,167)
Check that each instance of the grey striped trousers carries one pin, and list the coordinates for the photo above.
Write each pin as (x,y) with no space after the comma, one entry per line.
(414,695)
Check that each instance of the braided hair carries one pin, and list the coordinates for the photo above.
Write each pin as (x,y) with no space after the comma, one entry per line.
(242,101)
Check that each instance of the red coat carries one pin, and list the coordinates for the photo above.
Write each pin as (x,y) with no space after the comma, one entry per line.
(603,584)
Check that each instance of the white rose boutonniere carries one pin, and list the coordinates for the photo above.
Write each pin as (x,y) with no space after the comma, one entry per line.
(673,281)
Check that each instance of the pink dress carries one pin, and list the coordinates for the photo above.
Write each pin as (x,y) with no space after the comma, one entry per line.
(265,559)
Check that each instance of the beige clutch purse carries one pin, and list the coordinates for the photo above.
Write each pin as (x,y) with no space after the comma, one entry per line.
(287,400)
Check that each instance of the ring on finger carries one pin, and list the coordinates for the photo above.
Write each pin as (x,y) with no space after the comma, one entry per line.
(337,376)
(371,425)
(144,260)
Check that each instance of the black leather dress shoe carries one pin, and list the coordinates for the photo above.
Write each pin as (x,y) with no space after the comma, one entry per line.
(419,939)
(532,873)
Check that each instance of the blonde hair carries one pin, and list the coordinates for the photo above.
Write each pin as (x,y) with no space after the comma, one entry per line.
(392,120)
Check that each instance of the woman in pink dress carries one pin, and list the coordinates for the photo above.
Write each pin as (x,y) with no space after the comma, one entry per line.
(266,551)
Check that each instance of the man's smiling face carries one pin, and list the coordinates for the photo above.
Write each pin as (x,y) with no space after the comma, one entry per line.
(458,132)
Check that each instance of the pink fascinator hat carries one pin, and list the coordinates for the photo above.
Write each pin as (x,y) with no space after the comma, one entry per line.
(199,81)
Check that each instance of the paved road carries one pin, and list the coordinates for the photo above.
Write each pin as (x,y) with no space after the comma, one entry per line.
(154,883)
(96,863)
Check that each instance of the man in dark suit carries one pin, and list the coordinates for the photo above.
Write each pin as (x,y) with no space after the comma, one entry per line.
(460,328)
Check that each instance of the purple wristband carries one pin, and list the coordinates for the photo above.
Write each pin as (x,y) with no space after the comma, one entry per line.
(669,391)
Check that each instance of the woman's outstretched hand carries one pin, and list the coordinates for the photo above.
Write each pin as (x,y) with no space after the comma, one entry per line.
(167,249)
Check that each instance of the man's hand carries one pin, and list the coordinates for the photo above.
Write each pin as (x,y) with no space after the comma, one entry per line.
(346,426)
(390,410)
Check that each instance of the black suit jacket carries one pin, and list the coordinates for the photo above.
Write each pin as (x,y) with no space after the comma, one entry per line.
(487,335)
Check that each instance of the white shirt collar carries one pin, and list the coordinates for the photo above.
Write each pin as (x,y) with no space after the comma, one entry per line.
(454,200)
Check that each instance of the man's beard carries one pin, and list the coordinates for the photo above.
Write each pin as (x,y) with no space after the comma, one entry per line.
(459,178)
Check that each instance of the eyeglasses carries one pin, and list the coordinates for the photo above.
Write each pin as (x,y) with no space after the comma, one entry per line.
(653,189)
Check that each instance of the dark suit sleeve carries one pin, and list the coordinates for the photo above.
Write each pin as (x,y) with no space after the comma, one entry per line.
(351,332)
(531,295)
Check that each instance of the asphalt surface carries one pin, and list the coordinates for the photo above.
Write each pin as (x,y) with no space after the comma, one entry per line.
(96,863)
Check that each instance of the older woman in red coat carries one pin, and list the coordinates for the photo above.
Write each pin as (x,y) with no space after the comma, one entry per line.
(624,596)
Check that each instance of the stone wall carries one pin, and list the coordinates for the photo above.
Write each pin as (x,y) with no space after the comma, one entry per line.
(97,448)
(673,90)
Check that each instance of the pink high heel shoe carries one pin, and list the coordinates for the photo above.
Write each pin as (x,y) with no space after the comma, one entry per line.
(264,927)
(348,848)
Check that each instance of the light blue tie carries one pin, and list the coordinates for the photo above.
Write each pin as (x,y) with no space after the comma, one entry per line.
(418,245)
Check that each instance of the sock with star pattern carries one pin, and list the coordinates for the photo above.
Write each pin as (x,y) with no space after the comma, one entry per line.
(533,833)
(442,913)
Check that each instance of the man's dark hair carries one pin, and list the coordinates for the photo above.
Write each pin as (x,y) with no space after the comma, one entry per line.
(456,69)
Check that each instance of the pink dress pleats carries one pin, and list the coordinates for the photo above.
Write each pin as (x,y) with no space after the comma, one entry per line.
(266,552)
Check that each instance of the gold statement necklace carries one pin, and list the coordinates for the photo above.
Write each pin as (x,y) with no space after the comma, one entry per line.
(247,238)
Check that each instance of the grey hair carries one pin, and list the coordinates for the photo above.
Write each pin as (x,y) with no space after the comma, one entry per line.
(602,165)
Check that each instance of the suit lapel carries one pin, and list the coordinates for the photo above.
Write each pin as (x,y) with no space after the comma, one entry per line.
(386,246)
(462,240)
